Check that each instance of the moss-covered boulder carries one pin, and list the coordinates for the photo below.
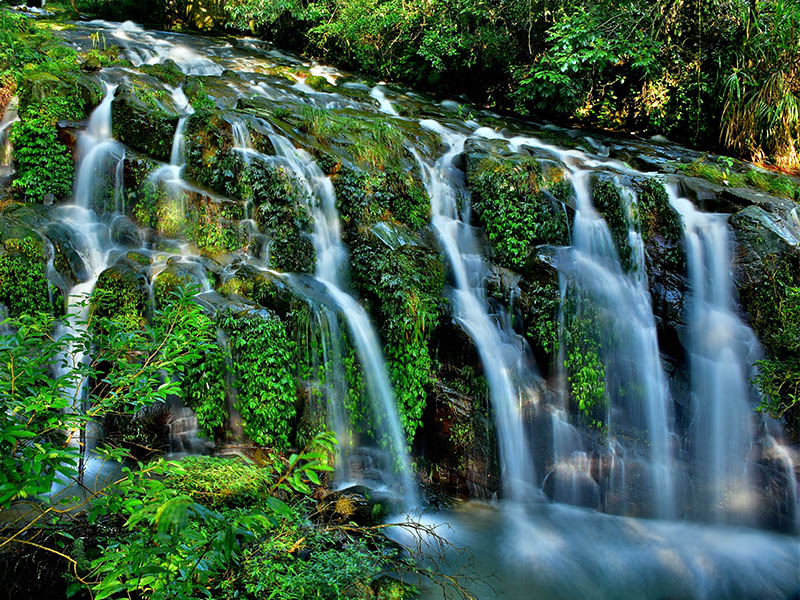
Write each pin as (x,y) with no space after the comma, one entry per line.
(67,261)
(120,295)
(515,203)
(167,72)
(767,276)
(144,119)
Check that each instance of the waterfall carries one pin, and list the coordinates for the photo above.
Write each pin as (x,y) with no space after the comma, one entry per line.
(628,339)
(722,349)
(97,153)
(502,352)
(10,117)
(330,271)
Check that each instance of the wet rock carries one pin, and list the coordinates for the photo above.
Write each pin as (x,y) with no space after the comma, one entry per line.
(125,233)
(91,64)
(213,86)
(167,72)
(144,119)
(121,293)
(458,437)
(571,485)
(68,261)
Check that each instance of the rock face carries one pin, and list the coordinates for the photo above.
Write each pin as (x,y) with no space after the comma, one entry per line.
(571,485)
(144,118)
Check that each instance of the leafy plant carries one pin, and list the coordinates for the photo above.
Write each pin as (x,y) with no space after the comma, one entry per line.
(263,356)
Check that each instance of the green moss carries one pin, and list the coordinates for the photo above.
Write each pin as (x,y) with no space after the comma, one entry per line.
(661,227)
(404,287)
(209,228)
(539,304)
(141,121)
(319,83)
(609,203)
(280,210)
(236,286)
(23,282)
(721,174)
(45,164)
(368,197)
(138,258)
(119,296)
(372,142)
(517,216)
(168,72)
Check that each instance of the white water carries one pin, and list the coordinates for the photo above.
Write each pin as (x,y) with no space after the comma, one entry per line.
(10,117)
(623,312)
(384,105)
(331,267)
(97,155)
(502,352)
(722,349)
(629,341)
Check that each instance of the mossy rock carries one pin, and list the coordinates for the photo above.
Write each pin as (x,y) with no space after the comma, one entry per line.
(615,208)
(169,281)
(167,72)
(402,285)
(144,120)
(319,83)
(23,280)
(538,301)
(120,295)
(198,88)
(136,169)
(767,267)
(67,261)
(366,197)
(515,207)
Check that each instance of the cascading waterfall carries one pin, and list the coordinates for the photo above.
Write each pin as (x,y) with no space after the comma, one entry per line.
(98,153)
(10,117)
(330,270)
(633,465)
(629,341)
(502,352)
(722,350)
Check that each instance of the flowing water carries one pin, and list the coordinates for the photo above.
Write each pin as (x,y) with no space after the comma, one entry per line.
(331,269)
(703,466)
(502,352)
(722,350)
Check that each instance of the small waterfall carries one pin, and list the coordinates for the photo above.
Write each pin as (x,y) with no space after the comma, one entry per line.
(10,117)
(97,153)
(502,352)
(330,270)
(384,105)
(722,349)
(628,339)
(171,175)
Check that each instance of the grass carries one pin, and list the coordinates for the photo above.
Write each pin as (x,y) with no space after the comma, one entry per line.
(776,185)
(374,141)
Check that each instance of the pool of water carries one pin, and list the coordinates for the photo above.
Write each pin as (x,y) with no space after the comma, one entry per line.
(553,551)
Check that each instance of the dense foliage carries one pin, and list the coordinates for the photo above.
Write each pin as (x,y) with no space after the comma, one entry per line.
(263,357)
(711,73)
